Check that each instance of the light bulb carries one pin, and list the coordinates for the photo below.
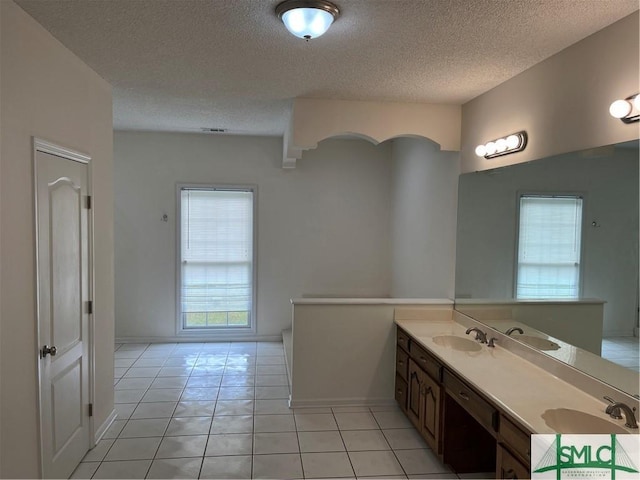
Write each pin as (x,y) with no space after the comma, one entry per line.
(636,102)
(620,109)
(490,148)
(501,145)
(513,141)
(481,151)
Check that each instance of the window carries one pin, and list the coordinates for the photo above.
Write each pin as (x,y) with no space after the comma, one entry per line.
(216,287)
(549,247)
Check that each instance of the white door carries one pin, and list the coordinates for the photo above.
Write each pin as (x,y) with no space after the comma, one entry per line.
(63,311)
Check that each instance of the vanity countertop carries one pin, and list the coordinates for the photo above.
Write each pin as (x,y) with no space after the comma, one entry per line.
(520,388)
(580,359)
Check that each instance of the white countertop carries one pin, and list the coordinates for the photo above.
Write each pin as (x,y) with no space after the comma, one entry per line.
(622,378)
(520,388)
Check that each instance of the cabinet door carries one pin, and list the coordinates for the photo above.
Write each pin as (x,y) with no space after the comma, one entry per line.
(401,393)
(414,394)
(430,413)
(509,467)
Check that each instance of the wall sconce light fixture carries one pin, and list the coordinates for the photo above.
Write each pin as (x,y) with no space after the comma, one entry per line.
(627,110)
(503,146)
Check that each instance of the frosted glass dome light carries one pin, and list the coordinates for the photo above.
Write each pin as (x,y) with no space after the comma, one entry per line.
(481,151)
(307,18)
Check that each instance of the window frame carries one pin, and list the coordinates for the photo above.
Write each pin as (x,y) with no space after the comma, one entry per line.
(225,331)
(549,194)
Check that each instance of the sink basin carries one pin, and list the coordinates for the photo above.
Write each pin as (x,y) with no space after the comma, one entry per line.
(457,343)
(566,420)
(537,342)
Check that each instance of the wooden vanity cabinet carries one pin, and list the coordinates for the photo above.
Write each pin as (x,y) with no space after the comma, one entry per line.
(423,408)
(509,467)
(514,450)
(469,429)
(418,392)
(402,370)
(459,424)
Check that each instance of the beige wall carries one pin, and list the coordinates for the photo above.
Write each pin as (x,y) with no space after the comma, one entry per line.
(423,219)
(323,227)
(344,350)
(562,102)
(49,93)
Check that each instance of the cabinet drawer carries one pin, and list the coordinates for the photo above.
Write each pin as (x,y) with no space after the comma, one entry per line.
(517,441)
(402,363)
(425,361)
(473,403)
(403,340)
(401,392)
(510,467)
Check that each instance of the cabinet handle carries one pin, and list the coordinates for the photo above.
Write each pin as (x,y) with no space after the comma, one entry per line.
(423,360)
(429,391)
(511,474)
(400,362)
(463,395)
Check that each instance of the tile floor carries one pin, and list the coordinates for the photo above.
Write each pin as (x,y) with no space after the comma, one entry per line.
(220,410)
(624,351)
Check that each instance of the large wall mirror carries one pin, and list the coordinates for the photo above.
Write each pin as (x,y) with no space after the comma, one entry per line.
(605,180)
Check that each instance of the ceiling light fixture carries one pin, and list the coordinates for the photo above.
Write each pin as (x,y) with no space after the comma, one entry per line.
(503,146)
(307,18)
(627,110)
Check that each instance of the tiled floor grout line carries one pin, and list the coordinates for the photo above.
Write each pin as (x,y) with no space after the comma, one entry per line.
(394,452)
(202,354)
(344,444)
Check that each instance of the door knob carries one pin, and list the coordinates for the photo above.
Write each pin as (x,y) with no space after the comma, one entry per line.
(46,350)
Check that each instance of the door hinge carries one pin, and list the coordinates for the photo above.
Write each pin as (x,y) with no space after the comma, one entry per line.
(90,306)
(91,409)
(88,202)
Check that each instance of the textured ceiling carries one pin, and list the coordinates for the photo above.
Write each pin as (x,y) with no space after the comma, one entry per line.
(179,65)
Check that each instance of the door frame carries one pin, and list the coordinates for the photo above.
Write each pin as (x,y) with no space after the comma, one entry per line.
(45,146)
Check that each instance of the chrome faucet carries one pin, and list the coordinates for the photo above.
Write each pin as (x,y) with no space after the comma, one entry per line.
(514,329)
(613,410)
(480,335)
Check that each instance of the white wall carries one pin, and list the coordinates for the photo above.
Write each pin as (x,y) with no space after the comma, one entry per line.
(562,102)
(423,228)
(487,228)
(344,353)
(46,92)
(323,228)
(315,119)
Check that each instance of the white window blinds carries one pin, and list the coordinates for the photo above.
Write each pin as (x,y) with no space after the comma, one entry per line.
(549,247)
(216,257)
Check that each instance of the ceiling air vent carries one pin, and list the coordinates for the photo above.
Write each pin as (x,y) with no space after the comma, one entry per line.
(213,130)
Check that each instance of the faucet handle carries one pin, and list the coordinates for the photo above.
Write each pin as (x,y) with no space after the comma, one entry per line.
(614,412)
(491,342)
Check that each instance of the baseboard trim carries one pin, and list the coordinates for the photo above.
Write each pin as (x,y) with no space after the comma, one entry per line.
(102,429)
(201,339)
(342,402)
(287,342)
(619,333)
